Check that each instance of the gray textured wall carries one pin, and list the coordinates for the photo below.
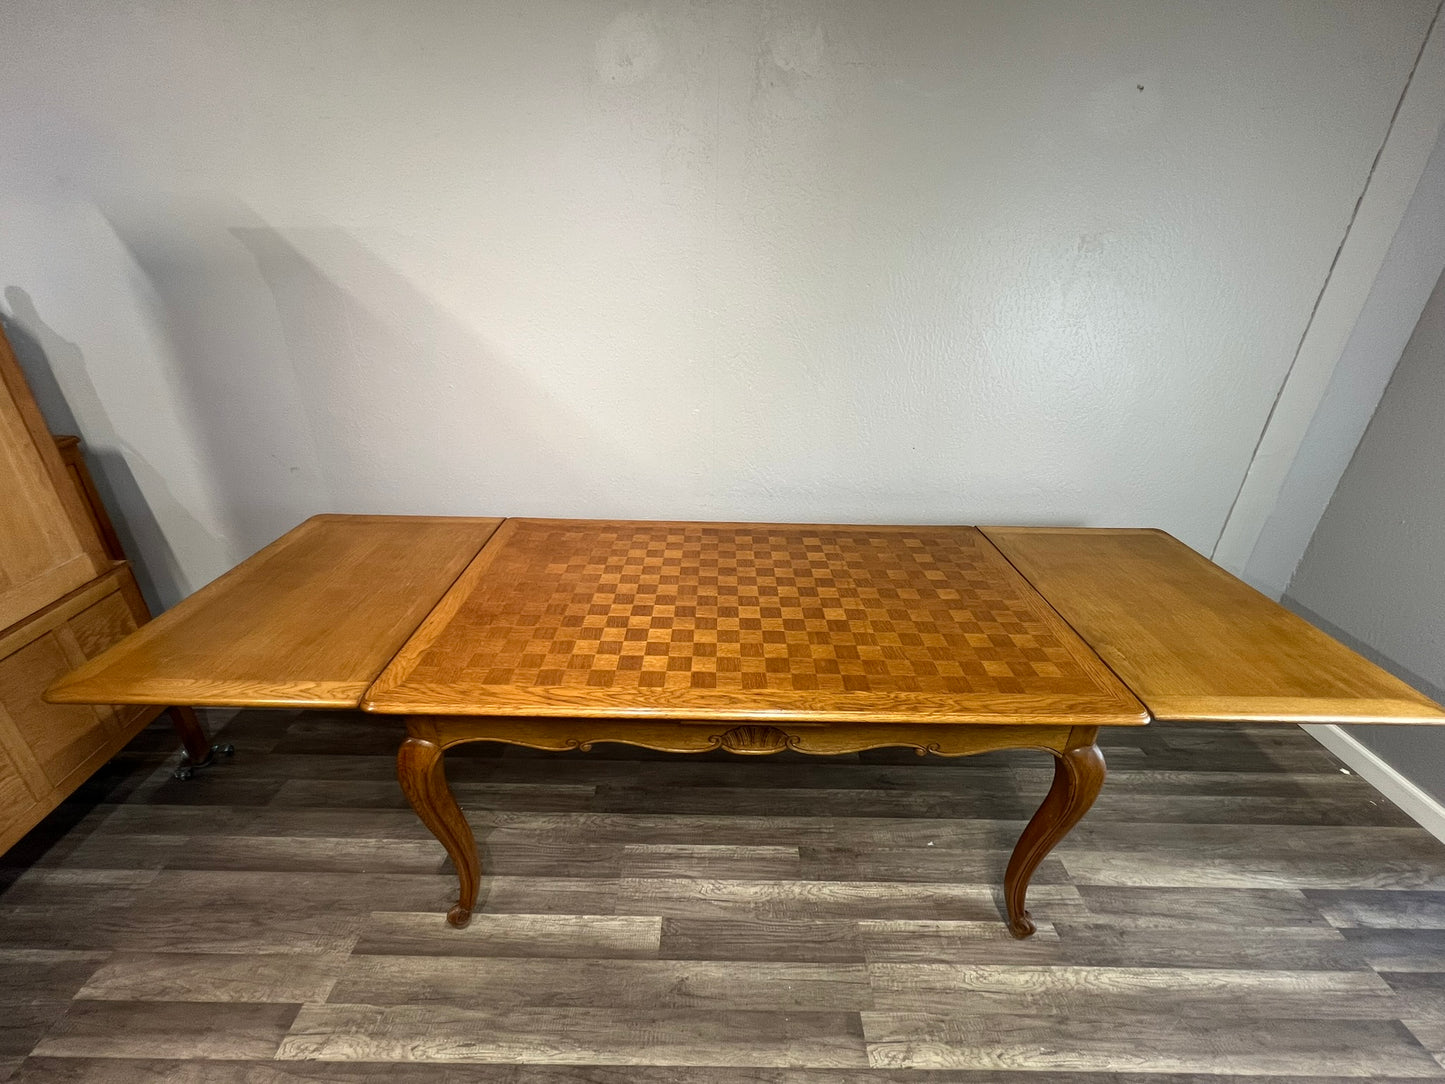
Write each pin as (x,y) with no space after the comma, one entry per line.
(770,259)
(1374,573)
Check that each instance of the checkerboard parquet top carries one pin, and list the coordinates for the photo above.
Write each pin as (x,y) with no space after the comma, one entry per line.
(560,617)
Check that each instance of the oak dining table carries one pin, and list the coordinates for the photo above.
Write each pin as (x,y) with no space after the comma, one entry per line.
(753,638)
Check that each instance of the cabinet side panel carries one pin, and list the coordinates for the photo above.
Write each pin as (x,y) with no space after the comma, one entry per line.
(48,544)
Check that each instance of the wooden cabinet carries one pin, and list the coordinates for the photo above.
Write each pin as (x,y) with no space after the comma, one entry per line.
(66,595)
(47,545)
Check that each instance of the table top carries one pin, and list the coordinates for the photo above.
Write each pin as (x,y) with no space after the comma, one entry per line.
(1193,642)
(798,622)
(309,621)
(771,622)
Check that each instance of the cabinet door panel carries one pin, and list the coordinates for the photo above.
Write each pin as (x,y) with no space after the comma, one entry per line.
(47,546)
(99,626)
(96,628)
(61,736)
(16,798)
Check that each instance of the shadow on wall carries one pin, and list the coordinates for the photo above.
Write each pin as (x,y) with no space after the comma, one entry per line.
(42,352)
(302,374)
(224,371)
(410,410)
(316,378)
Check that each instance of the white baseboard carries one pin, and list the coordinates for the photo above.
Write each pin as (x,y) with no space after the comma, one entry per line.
(1424,809)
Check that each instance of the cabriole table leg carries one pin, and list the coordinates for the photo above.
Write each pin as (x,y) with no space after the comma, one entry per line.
(1078,774)
(423,779)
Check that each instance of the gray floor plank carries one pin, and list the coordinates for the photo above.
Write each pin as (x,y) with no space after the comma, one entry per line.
(710,862)
(1104,993)
(341,822)
(162,820)
(1284,948)
(1219,908)
(938,864)
(311,854)
(254,928)
(1381,910)
(158,1071)
(33,975)
(1399,949)
(224,977)
(717,899)
(505,894)
(1324,808)
(924,941)
(1150,1043)
(998,802)
(384,794)
(1245,869)
(576,1036)
(741,940)
(1204,779)
(122,851)
(622,983)
(540,935)
(168,1030)
(24,1023)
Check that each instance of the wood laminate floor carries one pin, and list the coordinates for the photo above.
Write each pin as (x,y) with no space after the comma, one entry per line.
(1234,907)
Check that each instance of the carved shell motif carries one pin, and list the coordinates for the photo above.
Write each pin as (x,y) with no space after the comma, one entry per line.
(755,740)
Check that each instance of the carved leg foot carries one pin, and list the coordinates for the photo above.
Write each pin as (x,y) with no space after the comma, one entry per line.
(423,780)
(1078,774)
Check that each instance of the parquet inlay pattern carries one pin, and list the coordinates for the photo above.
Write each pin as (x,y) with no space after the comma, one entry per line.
(1235,908)
(807,614)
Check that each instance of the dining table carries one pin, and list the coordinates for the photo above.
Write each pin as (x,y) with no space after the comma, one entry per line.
(751,638)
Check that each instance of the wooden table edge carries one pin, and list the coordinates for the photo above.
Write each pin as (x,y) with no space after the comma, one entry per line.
(86,685)
(1417,709)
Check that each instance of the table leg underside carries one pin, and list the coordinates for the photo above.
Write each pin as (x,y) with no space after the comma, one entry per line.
(1078,772)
